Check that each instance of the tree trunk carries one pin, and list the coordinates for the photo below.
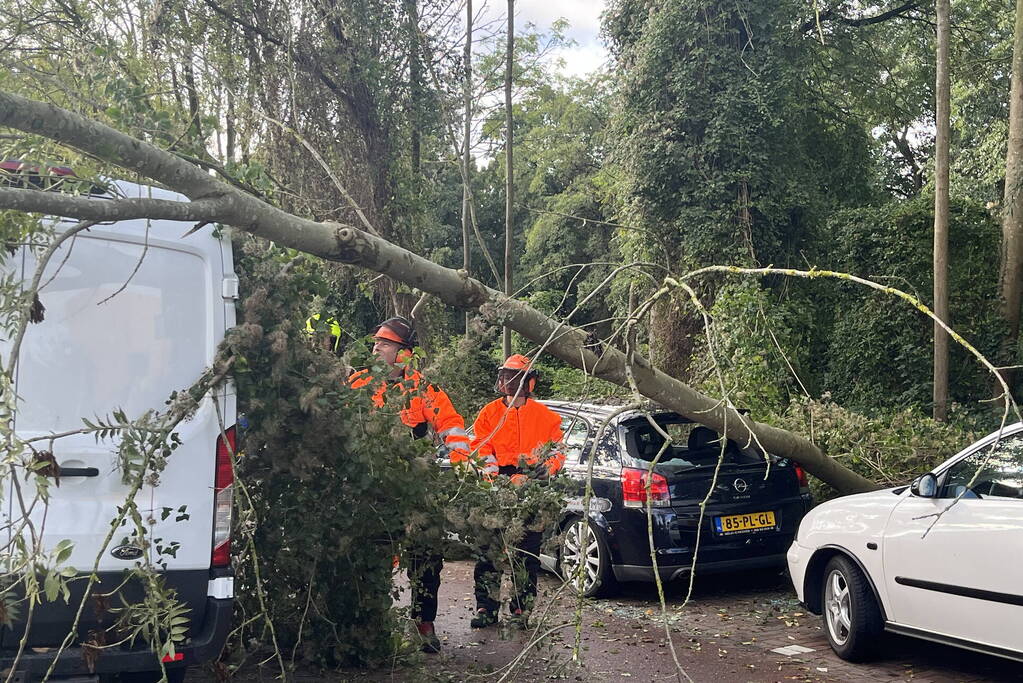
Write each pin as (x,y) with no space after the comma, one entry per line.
(509,187)
(941,144)
(1012,216)
(466,148)
(214,201)
(415,70)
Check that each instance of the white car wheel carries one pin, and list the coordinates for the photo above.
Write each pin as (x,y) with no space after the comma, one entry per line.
(586,547)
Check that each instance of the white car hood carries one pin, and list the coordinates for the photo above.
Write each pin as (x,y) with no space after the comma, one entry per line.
(860,515)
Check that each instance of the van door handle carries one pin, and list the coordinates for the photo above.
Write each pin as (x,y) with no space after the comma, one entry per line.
(79,472)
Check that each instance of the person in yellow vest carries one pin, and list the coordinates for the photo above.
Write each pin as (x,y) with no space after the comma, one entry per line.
(512,429)
(426,408)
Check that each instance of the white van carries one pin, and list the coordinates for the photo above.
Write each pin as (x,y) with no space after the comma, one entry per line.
(133,312)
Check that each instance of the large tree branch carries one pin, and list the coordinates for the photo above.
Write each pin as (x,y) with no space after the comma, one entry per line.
(832,15)
(84,208)
(248,26)
(456,288)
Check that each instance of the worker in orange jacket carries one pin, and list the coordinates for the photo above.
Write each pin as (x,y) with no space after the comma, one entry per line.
(514,429)
(426,407)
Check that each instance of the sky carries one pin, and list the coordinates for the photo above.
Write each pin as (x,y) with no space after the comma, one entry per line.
(584,26)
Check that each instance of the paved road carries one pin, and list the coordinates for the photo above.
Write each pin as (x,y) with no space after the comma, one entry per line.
(735,628)
(742,628)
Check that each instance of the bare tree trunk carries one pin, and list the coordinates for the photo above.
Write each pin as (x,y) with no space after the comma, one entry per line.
(943,104)
(415,69)
(466,148)
(509,186)
(1012,217)
(232,134)
(214,201)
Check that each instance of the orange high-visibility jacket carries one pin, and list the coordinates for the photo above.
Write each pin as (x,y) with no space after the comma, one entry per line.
(510,433)
(430,406)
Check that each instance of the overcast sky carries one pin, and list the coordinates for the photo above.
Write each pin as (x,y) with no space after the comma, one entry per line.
(584,24)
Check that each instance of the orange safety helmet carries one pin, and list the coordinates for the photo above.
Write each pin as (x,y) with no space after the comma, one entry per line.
(517,367)
(398,330)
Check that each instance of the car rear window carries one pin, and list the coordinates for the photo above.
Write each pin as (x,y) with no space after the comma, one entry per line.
(124,326)
(689,445)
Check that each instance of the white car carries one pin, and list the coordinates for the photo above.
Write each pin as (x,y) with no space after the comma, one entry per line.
(941,559)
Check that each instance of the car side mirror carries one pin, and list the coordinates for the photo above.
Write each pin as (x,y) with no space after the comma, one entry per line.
(925,486)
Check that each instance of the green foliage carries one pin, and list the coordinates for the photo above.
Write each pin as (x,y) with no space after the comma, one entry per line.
(335,487)
(159,619)
(492,516)
(332,481)
(724,150)
(875,350)
(466,369)
(890,448)
(757,344)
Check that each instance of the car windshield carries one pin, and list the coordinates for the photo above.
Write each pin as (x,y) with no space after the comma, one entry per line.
(689,445)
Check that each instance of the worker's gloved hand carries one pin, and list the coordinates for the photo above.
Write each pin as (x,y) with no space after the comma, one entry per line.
(518,479)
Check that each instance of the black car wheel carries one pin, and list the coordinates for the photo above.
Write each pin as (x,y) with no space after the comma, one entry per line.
(852,619)
(588,548)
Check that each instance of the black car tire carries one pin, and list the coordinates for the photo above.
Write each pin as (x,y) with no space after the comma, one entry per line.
(600,579)
(852,618)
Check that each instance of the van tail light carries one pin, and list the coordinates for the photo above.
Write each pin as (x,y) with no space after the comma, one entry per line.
(634,489)
(223,499)
(804,483)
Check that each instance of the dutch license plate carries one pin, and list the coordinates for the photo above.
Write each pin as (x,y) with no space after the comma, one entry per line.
(737,524)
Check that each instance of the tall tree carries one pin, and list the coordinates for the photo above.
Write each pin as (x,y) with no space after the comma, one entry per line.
(1012,217)
(509,184)
(942,101)
(467,149)
(726,152)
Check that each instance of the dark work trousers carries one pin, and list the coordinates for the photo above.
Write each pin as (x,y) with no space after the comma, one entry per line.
(525,567)
(424,577)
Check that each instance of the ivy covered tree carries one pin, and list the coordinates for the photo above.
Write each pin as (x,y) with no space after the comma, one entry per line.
(725,151)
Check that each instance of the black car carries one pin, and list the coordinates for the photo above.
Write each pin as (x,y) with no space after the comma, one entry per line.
(753,509)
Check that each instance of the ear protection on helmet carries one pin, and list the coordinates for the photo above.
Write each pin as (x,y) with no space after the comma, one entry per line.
(399,330)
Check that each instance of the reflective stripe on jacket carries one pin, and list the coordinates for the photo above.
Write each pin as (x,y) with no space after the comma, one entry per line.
(430,406)
(508,433)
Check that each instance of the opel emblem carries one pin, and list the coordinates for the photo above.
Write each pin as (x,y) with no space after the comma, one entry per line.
(740,485)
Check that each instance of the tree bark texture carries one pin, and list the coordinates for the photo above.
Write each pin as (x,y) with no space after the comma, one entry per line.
(1012,217)
(466,149)
(353,246)
(509,187)
(941,218)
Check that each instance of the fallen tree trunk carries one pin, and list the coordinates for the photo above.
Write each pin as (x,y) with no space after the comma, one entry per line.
(213,200)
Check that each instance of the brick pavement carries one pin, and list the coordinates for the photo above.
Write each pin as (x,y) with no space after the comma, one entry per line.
(763,614)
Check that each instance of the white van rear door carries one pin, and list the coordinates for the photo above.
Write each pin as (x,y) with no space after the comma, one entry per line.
(133,313)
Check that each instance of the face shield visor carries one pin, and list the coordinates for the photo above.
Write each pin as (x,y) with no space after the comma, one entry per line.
(515,382)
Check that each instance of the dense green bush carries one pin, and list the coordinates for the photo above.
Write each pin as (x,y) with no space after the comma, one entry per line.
(332,488)
(877,350)
(890,448)
(331,483)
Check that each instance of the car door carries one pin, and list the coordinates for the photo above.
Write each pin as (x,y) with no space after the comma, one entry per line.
(953,564)
(131,315)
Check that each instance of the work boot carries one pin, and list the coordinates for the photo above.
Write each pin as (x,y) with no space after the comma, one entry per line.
(431,643)
(483,618)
